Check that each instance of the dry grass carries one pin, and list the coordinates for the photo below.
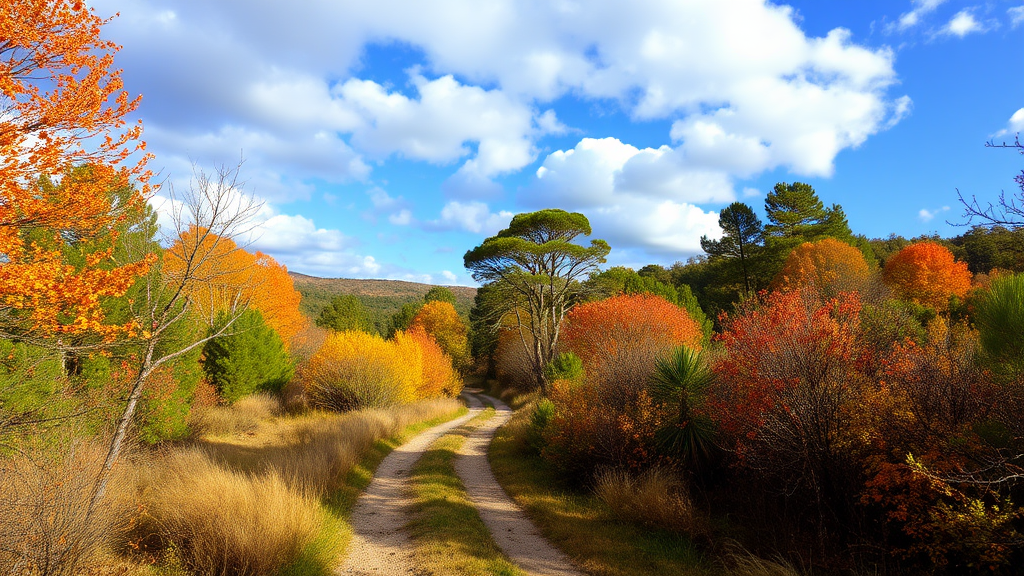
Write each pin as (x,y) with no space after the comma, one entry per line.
(222,522)
(242,417)
(44,529)
(655,498)
(744,563)
(252,504)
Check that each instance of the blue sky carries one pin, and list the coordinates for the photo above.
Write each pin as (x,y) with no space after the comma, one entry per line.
(386,138)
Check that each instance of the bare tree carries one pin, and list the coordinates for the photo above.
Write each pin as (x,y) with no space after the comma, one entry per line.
(1008,211)
(205,220)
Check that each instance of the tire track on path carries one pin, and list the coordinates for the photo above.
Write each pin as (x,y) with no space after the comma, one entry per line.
(511,529)
(380,544)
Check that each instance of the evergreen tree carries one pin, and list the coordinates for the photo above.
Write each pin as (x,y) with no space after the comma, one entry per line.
(250,358)
(402,319)
(744,234)
(440,293)
(345,312)
(795,213)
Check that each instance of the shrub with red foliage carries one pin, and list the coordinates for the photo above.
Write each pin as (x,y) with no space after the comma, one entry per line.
(610,419)
(788,389)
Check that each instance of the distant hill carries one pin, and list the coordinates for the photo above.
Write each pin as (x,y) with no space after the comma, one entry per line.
(382,298)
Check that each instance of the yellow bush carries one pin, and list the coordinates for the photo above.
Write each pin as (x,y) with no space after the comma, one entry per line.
(358,370)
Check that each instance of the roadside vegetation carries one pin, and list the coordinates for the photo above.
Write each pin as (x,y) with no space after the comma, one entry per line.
(799,399)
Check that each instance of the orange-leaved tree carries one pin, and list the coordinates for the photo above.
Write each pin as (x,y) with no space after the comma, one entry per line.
(927,273)
(230,278)
(440,320)
(440,377)
(62,107)
(829,265)
(620,339)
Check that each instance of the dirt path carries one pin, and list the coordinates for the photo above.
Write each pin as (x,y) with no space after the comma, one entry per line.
(379,544)
(511,529)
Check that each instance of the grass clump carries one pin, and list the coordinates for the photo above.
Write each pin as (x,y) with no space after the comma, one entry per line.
(655,498)
(449,535)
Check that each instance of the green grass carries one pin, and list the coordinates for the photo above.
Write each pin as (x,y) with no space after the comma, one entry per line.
(449,535)
(582,526)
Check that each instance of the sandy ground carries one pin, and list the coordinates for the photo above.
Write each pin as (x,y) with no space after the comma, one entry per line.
(511,529)
(380,545)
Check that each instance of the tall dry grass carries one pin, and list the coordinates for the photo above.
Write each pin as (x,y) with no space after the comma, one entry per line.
(217,521)
(244,416)
(655,498)
(44,529)
(253,507)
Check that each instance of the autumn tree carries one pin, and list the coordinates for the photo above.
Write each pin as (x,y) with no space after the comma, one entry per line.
(926,273)
(828,265)
(620,339)
(786,392)
(742,235)
(62,106)
(441,322)
(538,265)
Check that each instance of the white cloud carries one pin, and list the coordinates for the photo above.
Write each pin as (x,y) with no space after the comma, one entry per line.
(927,215)
(449,276)
(913,17)
(1014,126)
(475,217)
(962,24)
(634,198)
(1016,15)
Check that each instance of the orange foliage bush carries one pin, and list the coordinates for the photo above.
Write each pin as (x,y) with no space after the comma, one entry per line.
(620,339)
(228,277)
(828,265)
(926,273)
(440,320)
(439,377)
(63,106)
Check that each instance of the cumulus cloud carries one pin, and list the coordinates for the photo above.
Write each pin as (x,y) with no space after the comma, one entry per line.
(634,198)
(745,95)
(926,215)
(475,217)
(1014,126)
(962,24)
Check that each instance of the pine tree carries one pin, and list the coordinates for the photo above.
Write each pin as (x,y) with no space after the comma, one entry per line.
(251,358)
(796,213)
(744,234)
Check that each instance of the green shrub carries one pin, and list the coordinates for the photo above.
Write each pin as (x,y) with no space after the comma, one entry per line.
(539,420)
(441,294)
(999,317)
(250,358)
(565,366)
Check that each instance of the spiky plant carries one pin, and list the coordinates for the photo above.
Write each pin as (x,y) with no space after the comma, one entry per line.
(681,381)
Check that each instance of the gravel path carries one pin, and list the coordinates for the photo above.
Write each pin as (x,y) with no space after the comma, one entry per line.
(380,545)
(509,526)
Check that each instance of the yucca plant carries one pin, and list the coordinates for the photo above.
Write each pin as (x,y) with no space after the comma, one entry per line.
(681,381)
